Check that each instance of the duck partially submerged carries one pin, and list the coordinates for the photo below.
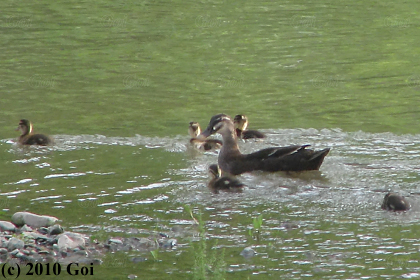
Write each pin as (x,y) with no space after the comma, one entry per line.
(203,144)
(241,124)
(232,161)
(28,138)
(395,202)
(218,183)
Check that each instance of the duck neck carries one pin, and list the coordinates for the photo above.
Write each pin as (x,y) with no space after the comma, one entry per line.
(25,130)
(229,140)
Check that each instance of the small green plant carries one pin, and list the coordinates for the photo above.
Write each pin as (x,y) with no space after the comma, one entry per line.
(206,266)
(187,208)
(155,254)
(255,231)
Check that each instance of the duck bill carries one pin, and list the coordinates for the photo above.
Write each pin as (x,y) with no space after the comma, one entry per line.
(203,135)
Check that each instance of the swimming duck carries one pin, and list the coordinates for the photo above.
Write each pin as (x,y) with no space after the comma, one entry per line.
(241,123)
(218,183)
(203,144)
(232,161)
(27,138)
(395,202)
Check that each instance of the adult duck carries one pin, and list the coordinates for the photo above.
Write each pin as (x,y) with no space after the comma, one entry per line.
(203,144)
(218,183)
(28,138)
(232,161)
(395,202)
(241,123)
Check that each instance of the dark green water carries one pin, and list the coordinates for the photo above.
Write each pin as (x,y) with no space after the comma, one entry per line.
(116,83)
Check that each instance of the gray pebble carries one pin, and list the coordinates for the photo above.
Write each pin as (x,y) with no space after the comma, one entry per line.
(55,229)
(15,243)
(7,226)
(248,252)
(169,244)
(14,252)
(114,240)
(26,228)
(138,259)
(82,253)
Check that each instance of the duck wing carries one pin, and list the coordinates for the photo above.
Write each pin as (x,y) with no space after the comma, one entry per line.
(273,152)
(38,139)
(301,160)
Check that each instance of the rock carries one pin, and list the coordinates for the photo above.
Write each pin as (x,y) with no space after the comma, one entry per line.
(7,226)
(138,259)
(15,243)
(26,228)
(32,220)
(132,276)
(114,240)
(147,243)
(14,252)
(70,240)
(81,253)
(3,251)
(44,252)
(43,230)
(32,235)
(55,229)
(248,252)
(169,243)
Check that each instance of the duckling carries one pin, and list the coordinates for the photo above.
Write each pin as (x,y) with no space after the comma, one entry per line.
(232,161)
(395,202)
(203,144)
(225,183)
(241,123)
(27,138)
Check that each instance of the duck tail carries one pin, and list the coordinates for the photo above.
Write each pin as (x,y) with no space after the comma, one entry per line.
(318,157)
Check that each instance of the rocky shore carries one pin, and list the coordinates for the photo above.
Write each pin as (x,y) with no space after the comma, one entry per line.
(31,238)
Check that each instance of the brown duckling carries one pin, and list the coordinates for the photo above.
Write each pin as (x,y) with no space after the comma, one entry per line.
(203,144)
(27,138)
(395,202)
(241,123)
(218,183)
(232,161)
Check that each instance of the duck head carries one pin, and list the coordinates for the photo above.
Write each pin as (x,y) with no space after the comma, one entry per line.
(194,129)
(25,127)
(240,122)
(218,124)
(214,171)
